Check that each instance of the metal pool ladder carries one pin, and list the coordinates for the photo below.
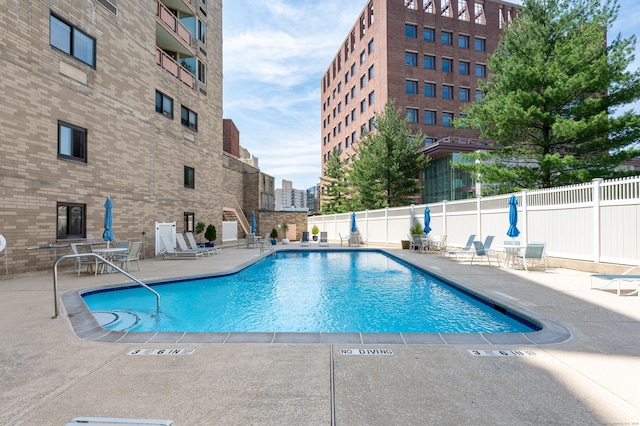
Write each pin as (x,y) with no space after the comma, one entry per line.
(102,259)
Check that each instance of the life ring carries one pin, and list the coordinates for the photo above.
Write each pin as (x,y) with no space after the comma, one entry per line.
(3,242)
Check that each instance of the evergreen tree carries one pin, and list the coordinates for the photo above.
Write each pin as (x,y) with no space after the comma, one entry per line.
(385,173)
(553,97)
(335,190)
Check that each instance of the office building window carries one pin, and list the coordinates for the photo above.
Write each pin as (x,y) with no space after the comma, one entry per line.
(353,114)
(463,41)
(346,141)
(429,34)
(429,62)
(447,92)
(412,115)
(411,87)
(339,87)
(430,90)
(372,98)
(363,106)
(164,105)
(446,38)
(463,68)
(201,72)
(202,31)
(478,95)
(410,31)
(464,94)
(189,218)
(411,59)
(363,81)
(353,70)
(72,41)
(363,57)
(346,77)
(371,72)
(188,118)
(370,47)
(353,92)
(481,44)
(72,142)
(481,70)
(447,119)
(430,117)
(353,138)
(447,65)
(189,177)
(70,221)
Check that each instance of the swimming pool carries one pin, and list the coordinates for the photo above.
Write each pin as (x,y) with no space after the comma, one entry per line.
(308,292)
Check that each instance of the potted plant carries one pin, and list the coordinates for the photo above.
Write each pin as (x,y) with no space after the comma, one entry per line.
(274,235)
(210,235)
(285,228)
(315,230)
(416,229)
(199,230)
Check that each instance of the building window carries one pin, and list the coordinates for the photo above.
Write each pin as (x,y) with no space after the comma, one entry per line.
(353,138)
(412,115)
(447,38)
(429,34)
(164,105)
(411,87)
(370,47)
(363,81)
(464,94)
(410,31)
(363,57)
(447,65)
(481,70)
(72,142)
(447,92)
(429,62)
(478,95)
(363,106)
(70,40)
(371,72)
(339,87)
(372,124)
(70,221)
(430,90)
(353,114)
(189,219)
(346,141)
(411,59)
(201,31)
(372,98)
(463,68)
(353,70)
(447,119)
(430,117)
(188,118)
(429,141)
(189,177)
(202,72)
(481,44)
(346,99)
(463,41)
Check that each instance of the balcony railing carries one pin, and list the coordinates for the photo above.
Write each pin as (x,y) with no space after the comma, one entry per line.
(172,66)
(173,24)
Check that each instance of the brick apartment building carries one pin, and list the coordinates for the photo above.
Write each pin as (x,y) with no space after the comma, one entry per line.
(107,98)
(426,55)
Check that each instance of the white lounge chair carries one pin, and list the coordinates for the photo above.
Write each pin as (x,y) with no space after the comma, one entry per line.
(535,254)
(170,251)
(617,279)
(324,240)
(194,245)
(466,250)
(481,251)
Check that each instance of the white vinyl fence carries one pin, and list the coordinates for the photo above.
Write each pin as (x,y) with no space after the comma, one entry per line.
(596,221)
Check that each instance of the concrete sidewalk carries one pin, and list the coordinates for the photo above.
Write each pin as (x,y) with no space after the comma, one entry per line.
(49,375)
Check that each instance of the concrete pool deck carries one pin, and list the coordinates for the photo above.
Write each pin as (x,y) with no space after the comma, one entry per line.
(50,375)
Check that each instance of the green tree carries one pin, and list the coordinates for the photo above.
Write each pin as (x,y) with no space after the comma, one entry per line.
(553,97)
(385,173)
(335,193)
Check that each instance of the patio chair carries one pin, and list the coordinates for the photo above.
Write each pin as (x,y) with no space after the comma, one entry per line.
(440,246)
(133,254)
(91,263)
(304,241)
(324,240)
(617,278)
(343,239)
(481,251)
(194,245)
(170,251)
(466,250)
(123,244)
(534,253)
(251,241)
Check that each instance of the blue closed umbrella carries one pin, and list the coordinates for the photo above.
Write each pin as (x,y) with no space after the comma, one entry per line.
(427,220)
(513,217)
(107,235)
(253,222)
(353,223)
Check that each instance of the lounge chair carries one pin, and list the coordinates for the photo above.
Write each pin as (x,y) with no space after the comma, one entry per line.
(342,239)
(251,241)
(194,245)
(440,245)
(617,278)
(481,251)
(324,241)
(125,259)
(170,251)
(304,241)
(534,253)
(466,250)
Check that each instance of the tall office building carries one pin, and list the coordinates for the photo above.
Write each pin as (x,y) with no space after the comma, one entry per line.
(107,98)
(428,56)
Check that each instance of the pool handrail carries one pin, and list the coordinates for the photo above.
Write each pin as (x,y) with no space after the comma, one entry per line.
(102,259)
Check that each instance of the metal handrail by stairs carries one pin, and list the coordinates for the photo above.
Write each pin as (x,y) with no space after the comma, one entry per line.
(70,256)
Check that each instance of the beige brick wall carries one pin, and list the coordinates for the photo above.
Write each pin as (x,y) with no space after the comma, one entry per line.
(134,154)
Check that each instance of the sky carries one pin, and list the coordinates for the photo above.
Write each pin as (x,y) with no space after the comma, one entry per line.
(275,53)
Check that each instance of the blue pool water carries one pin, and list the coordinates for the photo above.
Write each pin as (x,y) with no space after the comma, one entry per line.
(324,291)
